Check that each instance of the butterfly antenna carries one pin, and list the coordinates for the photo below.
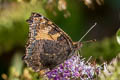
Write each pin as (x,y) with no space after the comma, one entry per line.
(87,32)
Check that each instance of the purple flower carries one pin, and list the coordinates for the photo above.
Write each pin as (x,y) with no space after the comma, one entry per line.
(73,68)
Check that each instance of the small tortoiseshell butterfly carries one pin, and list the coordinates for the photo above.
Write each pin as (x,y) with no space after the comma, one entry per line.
(48,45)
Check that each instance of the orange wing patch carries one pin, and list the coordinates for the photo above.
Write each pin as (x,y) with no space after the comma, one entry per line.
(43,34)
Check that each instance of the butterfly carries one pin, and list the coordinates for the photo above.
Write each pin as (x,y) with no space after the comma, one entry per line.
(47,45)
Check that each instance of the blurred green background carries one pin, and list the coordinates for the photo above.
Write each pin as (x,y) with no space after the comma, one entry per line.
(75,17)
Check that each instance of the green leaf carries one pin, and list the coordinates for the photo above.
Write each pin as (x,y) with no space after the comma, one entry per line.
(118,36)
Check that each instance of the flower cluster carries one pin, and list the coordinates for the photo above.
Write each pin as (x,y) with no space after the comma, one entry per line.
(74,68)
